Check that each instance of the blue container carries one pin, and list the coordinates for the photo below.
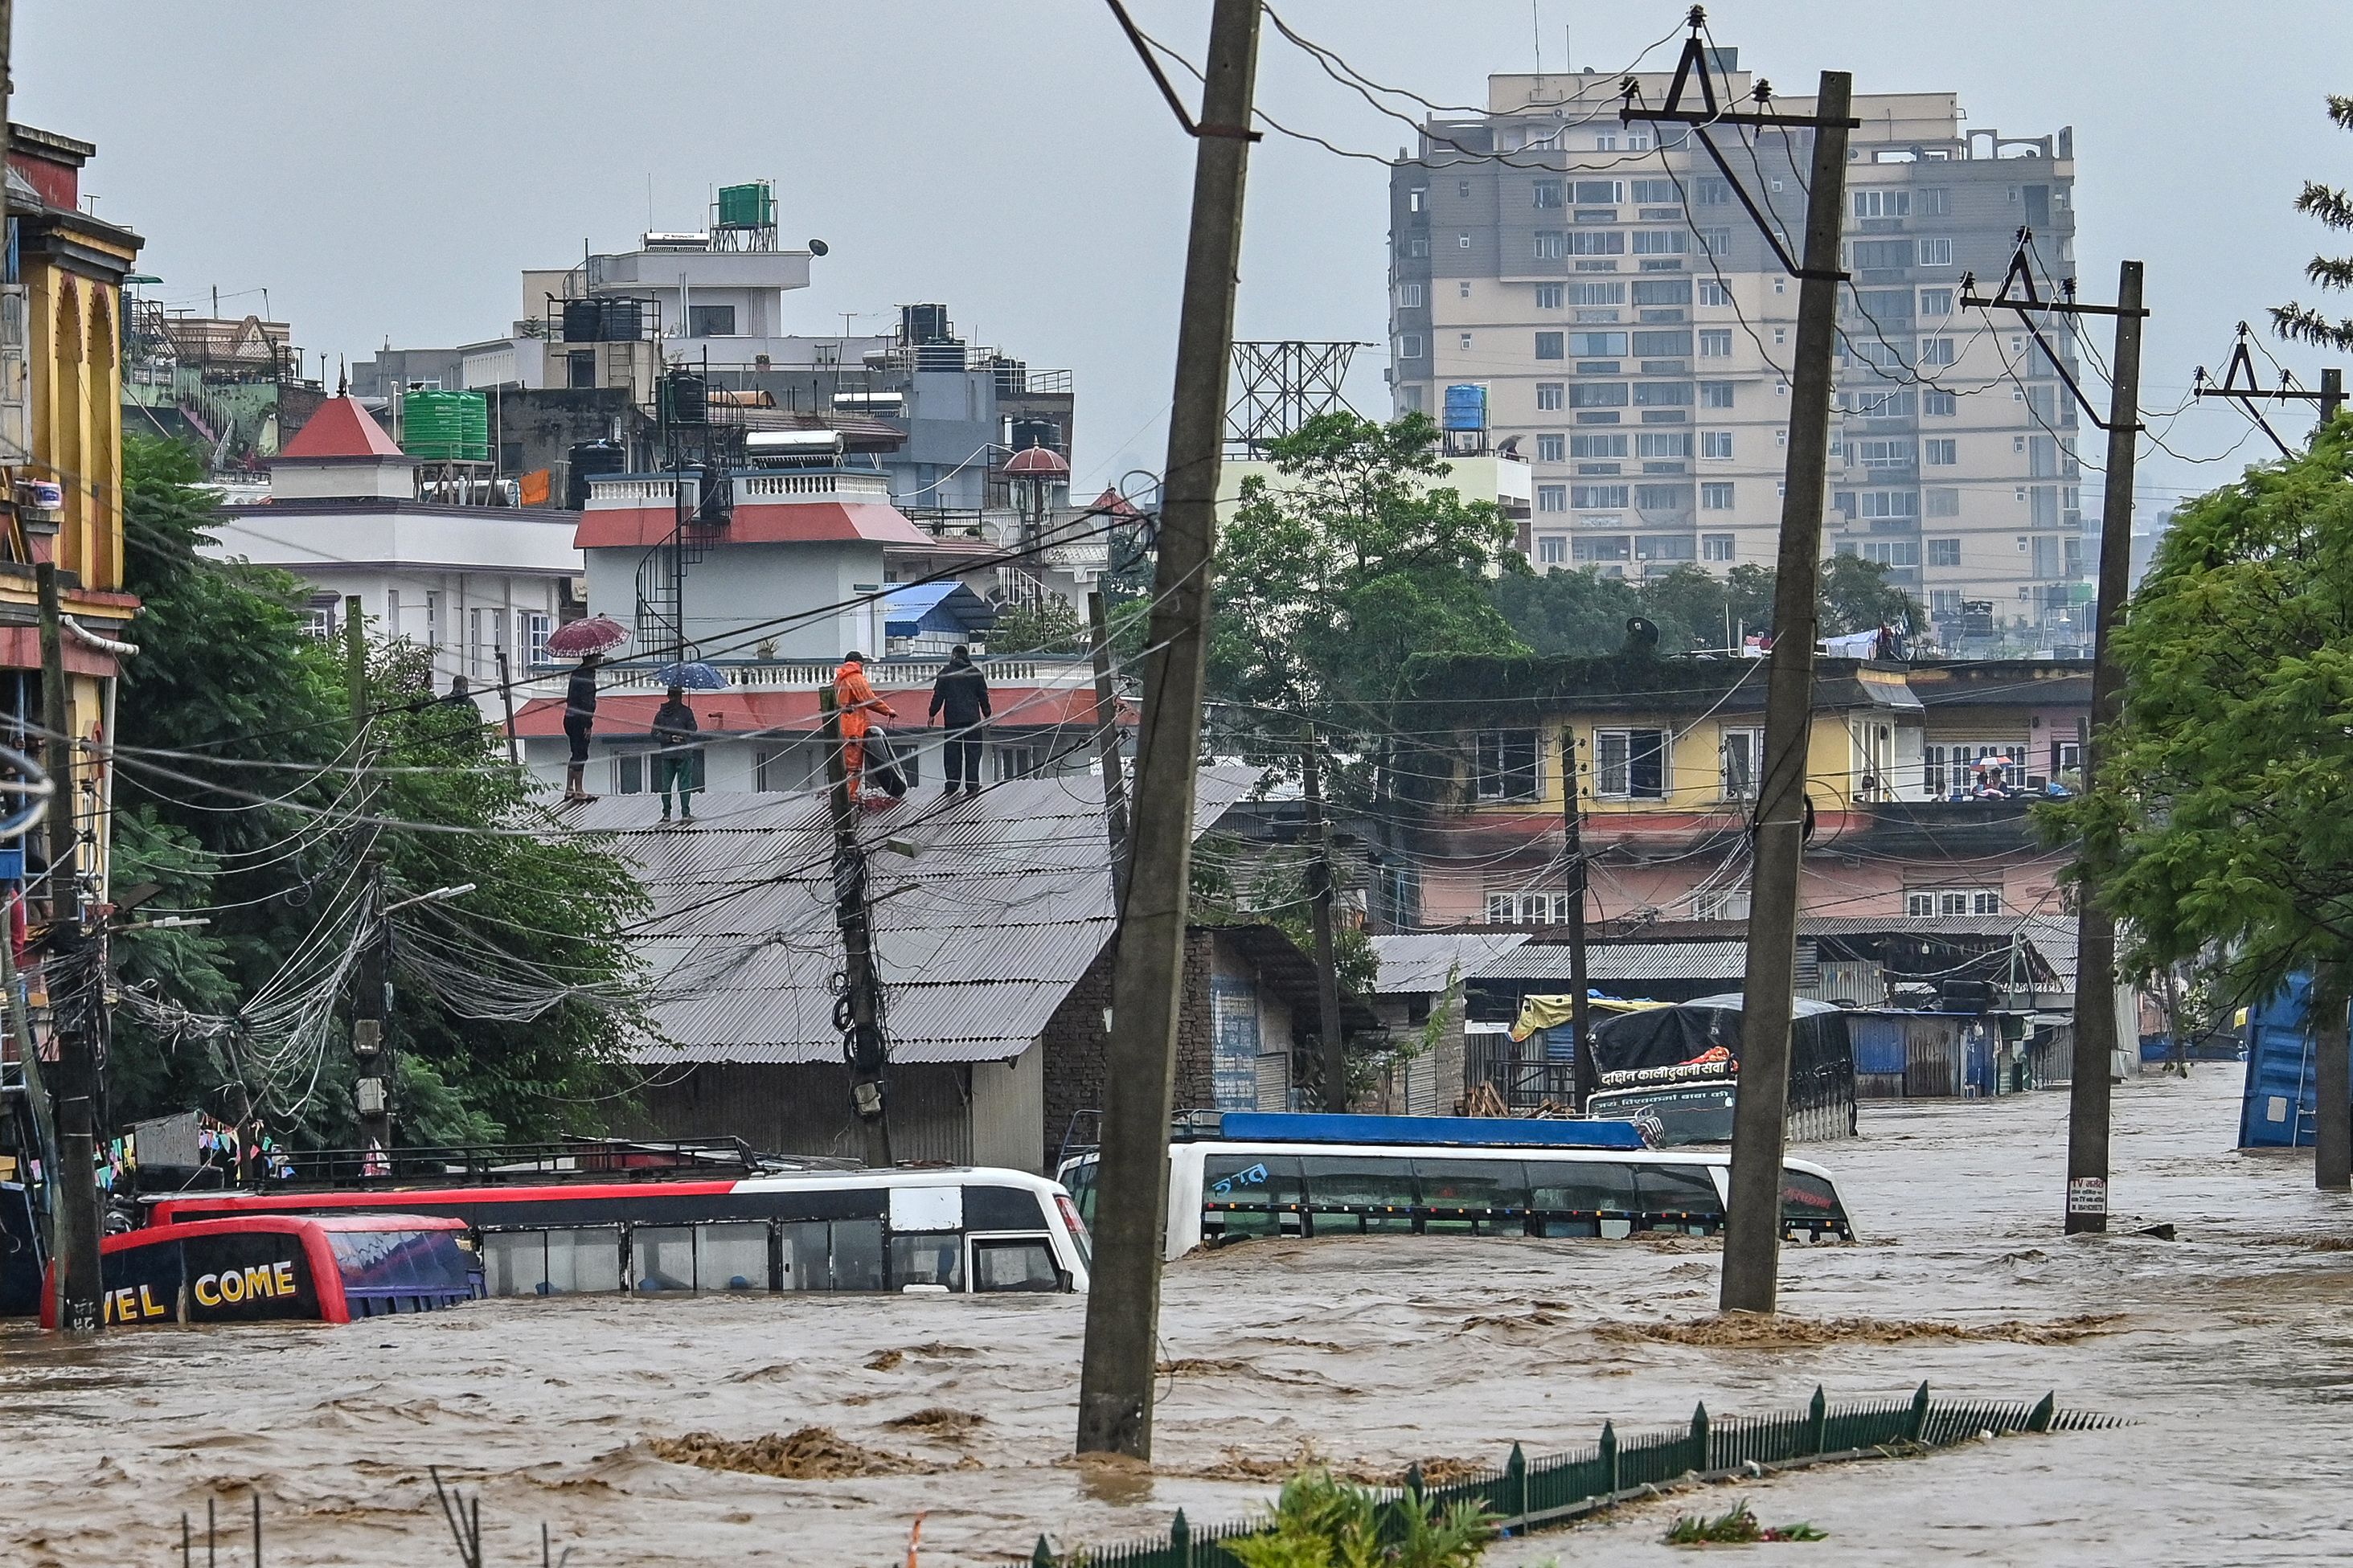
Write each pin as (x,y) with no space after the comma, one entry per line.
(2277,1109)
(1466,408)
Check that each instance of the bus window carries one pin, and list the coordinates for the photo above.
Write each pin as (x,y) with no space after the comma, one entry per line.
(1012,1264)
(1358,1191)
(927,1257)
(661,1257)
(858,1254)
(1580,1197)
(514,1263)
(1810,1204)
(1679,1198)
(1081,1181)
(1243,1194)
(731,1256)
(1002,1208)
(586,1261)
(1471,1195)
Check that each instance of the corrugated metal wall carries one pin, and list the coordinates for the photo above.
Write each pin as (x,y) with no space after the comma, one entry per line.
(931,1112)
(1009,1112)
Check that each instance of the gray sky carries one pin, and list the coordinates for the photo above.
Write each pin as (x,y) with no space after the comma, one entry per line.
(388,172)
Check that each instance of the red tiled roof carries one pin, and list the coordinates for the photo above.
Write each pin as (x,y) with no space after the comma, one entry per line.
(1111,503)
(747,712)
(341,428)
(790,522)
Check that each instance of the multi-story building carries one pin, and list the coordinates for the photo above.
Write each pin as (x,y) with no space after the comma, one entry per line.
(1919,779)
(1633,326)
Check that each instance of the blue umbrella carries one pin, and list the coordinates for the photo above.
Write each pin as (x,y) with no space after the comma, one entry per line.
(696,677)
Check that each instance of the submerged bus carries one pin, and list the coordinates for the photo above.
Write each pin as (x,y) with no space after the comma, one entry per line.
(1259,1175)
(268,1268)
(920,1231)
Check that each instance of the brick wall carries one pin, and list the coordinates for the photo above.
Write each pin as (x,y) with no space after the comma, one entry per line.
(1074,1043)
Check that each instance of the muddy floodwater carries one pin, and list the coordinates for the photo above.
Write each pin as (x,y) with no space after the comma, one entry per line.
(2230,1348)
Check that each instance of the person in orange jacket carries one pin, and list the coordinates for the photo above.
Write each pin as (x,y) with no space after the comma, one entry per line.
(857,702)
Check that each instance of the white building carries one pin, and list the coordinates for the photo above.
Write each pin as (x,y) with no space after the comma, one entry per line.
(470,583)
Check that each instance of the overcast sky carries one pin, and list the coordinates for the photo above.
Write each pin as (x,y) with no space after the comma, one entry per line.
(387,172)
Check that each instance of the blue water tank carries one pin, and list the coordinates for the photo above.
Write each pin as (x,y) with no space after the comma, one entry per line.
(1466,408)
(2276,1109)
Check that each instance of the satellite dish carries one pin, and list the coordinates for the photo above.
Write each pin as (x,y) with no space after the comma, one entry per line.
(819,247)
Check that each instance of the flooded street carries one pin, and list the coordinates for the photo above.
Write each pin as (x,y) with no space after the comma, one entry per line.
(2228,1347)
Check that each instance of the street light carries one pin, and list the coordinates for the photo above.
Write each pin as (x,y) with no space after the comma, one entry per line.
(460,891)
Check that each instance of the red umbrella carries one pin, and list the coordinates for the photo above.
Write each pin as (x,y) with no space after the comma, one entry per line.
(593,633)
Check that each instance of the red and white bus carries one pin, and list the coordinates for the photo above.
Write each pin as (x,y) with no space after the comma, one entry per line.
(276,1267)
(922,1231)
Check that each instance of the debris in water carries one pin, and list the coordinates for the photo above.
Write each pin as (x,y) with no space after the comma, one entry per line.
(886,1361)
(1735,1527)
(938,1421)
(810,1453)
(2161,1232)
(1746,1331)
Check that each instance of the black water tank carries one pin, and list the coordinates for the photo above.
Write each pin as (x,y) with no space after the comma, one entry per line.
(1028,433)
(584,321)
(688,405)
(924,323)
(1012,377)
(940,355)
(624,321)
(588,460)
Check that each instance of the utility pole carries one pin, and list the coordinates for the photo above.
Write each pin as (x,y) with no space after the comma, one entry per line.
(372,977)
(1752,1234)
(2089,1093)
(1587,1071)
(506,696)
(862,1043)
(1115,782)
(2239,385)
(1328,960)
(1122,1357)
(74,991)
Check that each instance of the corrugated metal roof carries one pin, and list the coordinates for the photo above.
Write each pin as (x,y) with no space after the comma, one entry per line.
(1608,964)
(1423,962)
(978,934)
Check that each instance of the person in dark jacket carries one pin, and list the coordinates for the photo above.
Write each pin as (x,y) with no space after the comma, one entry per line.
(579,721)
(960,701)
(674,732)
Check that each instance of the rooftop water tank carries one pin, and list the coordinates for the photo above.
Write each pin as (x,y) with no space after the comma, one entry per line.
(446,427)
(1466,408)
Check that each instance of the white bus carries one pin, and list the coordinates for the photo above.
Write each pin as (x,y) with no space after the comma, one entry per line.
(1349,1176)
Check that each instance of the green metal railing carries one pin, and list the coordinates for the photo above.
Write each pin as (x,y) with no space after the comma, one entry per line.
(1530,1494)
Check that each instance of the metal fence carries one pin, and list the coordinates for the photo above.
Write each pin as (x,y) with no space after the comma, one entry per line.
(1531,1494)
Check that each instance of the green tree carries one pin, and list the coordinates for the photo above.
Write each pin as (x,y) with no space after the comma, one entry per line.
(2221,826)
(237,802)
(2302,323)
(1049,626)
(1359,560)
(1856,596)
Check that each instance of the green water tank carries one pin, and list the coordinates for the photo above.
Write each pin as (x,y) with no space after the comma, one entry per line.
(446,427)
(747,206)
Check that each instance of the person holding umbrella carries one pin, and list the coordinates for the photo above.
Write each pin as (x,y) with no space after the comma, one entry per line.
(579,721)
(674,732)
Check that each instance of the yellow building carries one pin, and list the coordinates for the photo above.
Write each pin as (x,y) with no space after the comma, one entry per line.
(61,439)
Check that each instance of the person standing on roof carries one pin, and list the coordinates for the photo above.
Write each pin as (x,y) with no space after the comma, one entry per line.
(960,701)
(674,733)
(579,721)
(858,704)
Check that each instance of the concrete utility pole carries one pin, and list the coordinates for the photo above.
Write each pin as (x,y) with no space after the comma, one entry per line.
(1114,783)
(75,990)
(506,696)
(1327,959)
(1752,1233)
(1115,1383)
(1587,1071)
(370,979)
(862,1042)
(2089,1093)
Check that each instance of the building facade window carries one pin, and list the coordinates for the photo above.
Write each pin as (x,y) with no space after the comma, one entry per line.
(1597,444)
(1597,293)
(1743,750)
(1408,345)
(1552,497)
(1936,253)
(537,628)
(1552,449)
(1715,547)
(1941,451)
(1929,902)
(1894,202)
(1716,394)
(1715,343)
(1409,297)
(1936,351)
(1715,498)
(1712,291)
(1936,404)
(1505,765)
(1552,345)
(1585,345)
(1549,395)
(1548,296)
(1716,444)
(1936,301)
(1944,553)
(1629,764)
(1597,498)
(1552,549)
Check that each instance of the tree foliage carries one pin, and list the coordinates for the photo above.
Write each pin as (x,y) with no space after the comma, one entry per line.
(1329,582)
(1584,613)
(229,675)
(2222,818)
(1049,626)
(2329,204)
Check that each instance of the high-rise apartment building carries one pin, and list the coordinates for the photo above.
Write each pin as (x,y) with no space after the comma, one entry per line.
(1633,328)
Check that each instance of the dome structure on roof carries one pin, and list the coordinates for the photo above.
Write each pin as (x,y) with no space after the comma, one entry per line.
(1038,463)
